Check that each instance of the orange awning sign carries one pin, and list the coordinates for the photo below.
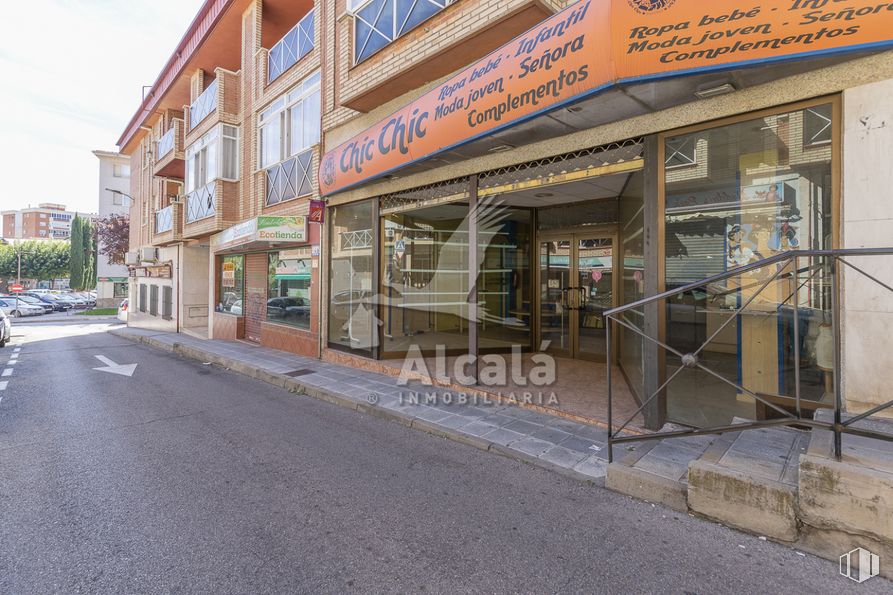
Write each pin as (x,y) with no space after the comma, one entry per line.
(591,46)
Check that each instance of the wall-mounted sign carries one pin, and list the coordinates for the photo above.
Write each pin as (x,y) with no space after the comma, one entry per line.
(317,211)
(594,45)
(262,230)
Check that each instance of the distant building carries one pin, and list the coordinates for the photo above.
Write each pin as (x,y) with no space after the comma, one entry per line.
(48,221)
(114,186)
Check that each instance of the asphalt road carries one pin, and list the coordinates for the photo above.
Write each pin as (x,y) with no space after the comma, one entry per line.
(190,478)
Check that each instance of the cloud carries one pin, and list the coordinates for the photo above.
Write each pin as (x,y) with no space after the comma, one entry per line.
(73,72)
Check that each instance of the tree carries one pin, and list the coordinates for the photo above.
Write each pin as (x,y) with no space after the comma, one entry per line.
(43,261)
(89,281)
(78,257)
(113,233)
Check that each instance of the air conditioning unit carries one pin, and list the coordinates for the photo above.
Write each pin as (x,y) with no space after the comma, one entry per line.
(148,254)
(132,258)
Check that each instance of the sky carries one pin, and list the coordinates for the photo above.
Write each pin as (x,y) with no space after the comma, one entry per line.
(71,77)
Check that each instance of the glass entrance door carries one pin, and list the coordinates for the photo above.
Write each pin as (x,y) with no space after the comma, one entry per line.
(576,287)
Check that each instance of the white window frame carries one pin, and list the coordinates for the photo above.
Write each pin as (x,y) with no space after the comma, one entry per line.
(197,157)
(279,113)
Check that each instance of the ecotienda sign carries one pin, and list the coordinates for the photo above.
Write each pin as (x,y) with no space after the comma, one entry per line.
(262,229)
(591,46)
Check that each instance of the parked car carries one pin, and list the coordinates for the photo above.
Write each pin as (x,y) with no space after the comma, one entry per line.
(77,303)
(47,308)
(122,310)
(5,328)
(51,299)
(89,300)
(16,308)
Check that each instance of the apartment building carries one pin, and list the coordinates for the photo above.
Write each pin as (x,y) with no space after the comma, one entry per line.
(113,199)
(500,175)
(46,221)
(224,151)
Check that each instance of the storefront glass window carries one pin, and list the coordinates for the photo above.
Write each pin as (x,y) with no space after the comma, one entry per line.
(289,297)
(632,240)
(425,280)
(353,322)
(735,195)
(231,293)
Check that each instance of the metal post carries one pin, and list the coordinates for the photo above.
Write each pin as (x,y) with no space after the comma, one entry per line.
(797,334)
(835,323)
(608,322)
(472,301)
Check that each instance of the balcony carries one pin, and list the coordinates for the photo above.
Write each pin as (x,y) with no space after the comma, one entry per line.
(168,225)
(290,178)
(210,209)
(169,159)
(201,203)
(218,103)
(380,57)
(289,50)
(203,105)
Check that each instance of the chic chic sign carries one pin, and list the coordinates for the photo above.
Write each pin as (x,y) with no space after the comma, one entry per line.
(591,46)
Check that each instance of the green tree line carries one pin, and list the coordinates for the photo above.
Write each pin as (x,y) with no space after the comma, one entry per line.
(43,261)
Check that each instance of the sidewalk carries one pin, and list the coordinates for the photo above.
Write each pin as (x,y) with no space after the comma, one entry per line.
(558,444)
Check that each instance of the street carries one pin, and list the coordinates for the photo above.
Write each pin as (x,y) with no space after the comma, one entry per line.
(186,477)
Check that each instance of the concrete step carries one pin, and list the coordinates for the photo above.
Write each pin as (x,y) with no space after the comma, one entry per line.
(749,481)
(657,471)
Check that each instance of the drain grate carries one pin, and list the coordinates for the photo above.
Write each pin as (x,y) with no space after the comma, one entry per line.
(296,373)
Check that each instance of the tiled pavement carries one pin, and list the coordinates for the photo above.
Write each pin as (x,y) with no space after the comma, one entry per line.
(563,445)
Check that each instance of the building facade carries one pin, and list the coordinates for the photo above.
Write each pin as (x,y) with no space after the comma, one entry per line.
(499,175)
(47,221)
(113,198)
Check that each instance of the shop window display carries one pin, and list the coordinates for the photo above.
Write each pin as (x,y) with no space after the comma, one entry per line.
(752,189)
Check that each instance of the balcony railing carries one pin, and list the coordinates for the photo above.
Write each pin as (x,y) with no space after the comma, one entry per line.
(165,144)
(201,203)
(296,44)
(290,178)
(164,220)
(204,104)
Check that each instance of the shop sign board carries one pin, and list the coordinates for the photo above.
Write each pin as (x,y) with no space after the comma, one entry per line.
(282,229)
(594,45)
(317,212)
(292,229)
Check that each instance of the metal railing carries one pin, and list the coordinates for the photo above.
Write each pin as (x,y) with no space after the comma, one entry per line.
(293,46)
(203,105)
(201,203)
(164,219)
(165,144)
(290,178)
(793,289)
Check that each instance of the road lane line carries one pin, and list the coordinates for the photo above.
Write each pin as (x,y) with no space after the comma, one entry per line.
(17,349)
(4,384)
(12,362)
(14,356)
(7,372)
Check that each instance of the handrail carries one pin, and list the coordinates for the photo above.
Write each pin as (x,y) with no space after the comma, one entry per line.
(836,261)
(780,257)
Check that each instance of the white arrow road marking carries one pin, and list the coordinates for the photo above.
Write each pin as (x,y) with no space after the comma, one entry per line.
(113,368)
